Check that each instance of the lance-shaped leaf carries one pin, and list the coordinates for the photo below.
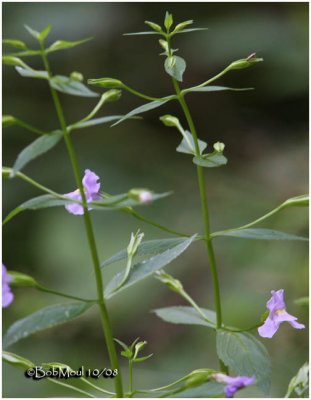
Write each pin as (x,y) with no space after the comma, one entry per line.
(215,89)
(40,146)
(147,267)
(69,86)
(43,319)
(184,145)
(16,360)
(186,316)
(189,30)
(94,121)
(141,109)
(65,44)
(147,248)
(261,234)
(31,73)
(175,66)
(245,355)
(142,33)
(211,160)
(44,201)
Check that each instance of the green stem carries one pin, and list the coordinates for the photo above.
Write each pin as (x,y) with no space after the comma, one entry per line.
(257,221)
(135,214)
(185,91)
(68,296)
(190,300)
(138,94)
(29,127)
(204,205)
(90,235)
(57,382)
(131,378)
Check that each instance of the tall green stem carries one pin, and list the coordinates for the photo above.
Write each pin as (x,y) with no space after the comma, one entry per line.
(90,235)
(204,205)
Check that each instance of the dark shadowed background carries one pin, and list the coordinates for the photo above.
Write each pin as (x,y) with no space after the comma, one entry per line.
(266,137)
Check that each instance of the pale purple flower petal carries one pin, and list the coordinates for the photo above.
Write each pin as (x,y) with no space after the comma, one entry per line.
(277,315)
(91,185)
(233,384)
(91,188)
(7,295)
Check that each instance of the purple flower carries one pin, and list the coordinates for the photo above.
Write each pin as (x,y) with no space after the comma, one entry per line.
(234,384)
(91,188)
(7,295)
(277,315)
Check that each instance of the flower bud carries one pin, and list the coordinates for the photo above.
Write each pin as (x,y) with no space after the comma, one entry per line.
(219,147)
(111,95)
(139,346)
(109,83)
(174,284)
(9,60)
(6,172)
(154,26)
(8,120)
(144,196)
(198,377)
(168,20)
(298,201)
(170,120)
(134,243)
(19,279)
(76,76)
(244,62)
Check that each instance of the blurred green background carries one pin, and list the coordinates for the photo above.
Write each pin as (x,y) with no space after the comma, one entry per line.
(266,137)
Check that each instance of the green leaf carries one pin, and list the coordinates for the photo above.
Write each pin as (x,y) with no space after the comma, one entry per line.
(211,160)
(184,146)
(16,361)
(175,66)
(141,109)
(31,73)
(147,267)
(65,44)
(215,89)
(32,32)
(262,234)
(142,33)
(18,44)
(43,319)
(185,315)
(95,121)
(66,85)
(147,248)
(36,203)
(11,60)
(36,149)
(191,30)
(26,53)
(44,33)
(245,355)
(299,384)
